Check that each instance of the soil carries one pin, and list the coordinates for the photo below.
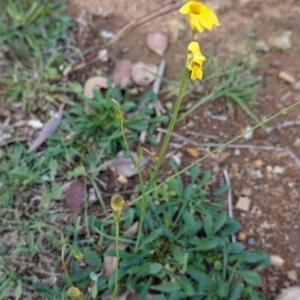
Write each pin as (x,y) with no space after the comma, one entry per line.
(269,178)
(272,222)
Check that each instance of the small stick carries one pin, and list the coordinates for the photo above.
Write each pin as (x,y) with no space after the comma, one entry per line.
(283,125)
(236,146)
(155,89)
(229,199)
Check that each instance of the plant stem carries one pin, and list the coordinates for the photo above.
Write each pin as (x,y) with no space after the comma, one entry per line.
(117,259)
(143,205)
(64,265)
(183,85)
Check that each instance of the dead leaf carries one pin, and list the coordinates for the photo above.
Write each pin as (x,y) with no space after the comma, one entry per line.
(193,151)
(75,196)
(110,261)
(94,83)
(143,74)
(48,129)
(124,166)
(122,73)
(157,42)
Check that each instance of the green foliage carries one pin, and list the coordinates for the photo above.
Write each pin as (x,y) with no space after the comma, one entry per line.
(30,35)
(185,252)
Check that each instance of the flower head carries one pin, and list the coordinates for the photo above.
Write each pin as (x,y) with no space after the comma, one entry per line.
(74,293)
(200,16)
(195,61)
(117,203)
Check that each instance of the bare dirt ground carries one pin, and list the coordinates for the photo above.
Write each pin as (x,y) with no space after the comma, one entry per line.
(270,179)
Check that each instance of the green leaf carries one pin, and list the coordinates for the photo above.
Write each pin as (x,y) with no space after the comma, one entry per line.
(18,291)
(145,269)
(222,189)
(75,87)
(221,287)
(236,247)
(207,244)
(92,257)
(195,172)
(232,227)
(56,191)
(255,257)
(208,225)
(235,292)
(251,277)
(168,287)
(220,222)
(151,237)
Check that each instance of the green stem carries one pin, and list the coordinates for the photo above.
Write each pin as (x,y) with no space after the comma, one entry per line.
(117,259)
(64,264)
(183,85)
(143,210)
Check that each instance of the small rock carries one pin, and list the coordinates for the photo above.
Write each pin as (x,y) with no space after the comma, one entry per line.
(292,275)
(235,167)
(157,42)
(246,192)
(242,236)
(262,46)
(291,293)
(282,41)
(276,261)
(107,34)
(297,86)
(237,152)
(297,142)
(278,170)
(103,55)
(269,169)
(286,77)
(216,169)
(193,151)
(122,179)
(275,63)
(257,174)
(258,163)
(251,241)
(169,105)
(177,159)
(249,135)
(122,73)
(35,124)
(243,203)
(258,213)
(143,74)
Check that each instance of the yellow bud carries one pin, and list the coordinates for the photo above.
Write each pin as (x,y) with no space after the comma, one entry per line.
(77,254)
(74,293)
(117,203)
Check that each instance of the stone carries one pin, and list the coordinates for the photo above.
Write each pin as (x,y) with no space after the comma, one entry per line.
(251,241)
(242,236)
(297,86)
(258,163)
(291,293)
(292,275)
(275,63)
(262,46)
(278,170)
(122,179)
(276,260)
(282,41)
(243,203)
(248,135)
(286,77)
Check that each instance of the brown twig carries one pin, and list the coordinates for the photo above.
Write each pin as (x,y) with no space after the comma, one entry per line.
(236,146)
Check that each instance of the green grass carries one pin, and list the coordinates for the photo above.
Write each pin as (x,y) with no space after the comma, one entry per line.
(185,250)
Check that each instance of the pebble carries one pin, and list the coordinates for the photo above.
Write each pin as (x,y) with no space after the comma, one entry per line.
(243,203)
(251,241)
(242,236)
(262,46)
(297,86)
(286,77)
(292,275)
(122,179)
(169,105)
(177,159)
(258,213)
(237,152)
(282,41)
(276,261)
(258,163)
(249,135)
(278,170)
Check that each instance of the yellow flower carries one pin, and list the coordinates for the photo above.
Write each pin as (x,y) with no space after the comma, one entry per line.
(195,61)
(200,16)
(117,203)
(74,293)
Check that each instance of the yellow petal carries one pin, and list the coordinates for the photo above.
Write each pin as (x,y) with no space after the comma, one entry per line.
(208,18)
(74,293)
(186,8)
(194,47)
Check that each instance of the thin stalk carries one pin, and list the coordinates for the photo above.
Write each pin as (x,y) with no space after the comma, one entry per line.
(117,258)
(64,265)
(143,206)
(183,85)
